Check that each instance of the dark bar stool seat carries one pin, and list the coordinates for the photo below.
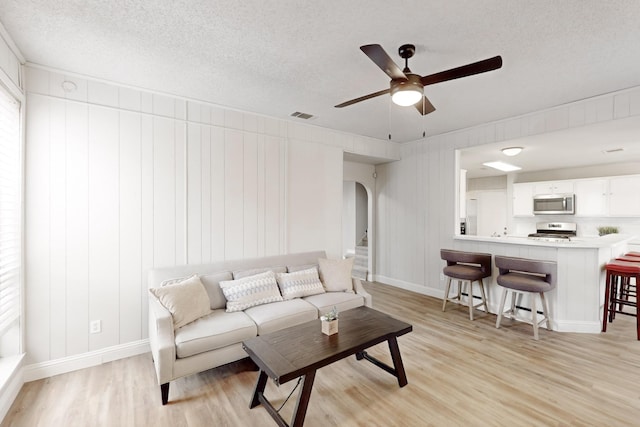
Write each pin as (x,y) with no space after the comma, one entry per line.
(466,268)
(618,292)
(522,275)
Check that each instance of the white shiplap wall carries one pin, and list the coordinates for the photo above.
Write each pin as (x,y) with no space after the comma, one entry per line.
(417,195)
(120,180)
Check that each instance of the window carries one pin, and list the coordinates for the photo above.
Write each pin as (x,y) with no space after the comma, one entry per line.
(10,225)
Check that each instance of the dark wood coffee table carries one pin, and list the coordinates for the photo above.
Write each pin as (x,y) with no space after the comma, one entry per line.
(301,350)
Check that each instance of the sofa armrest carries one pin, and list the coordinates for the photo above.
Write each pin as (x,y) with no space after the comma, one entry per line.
(359,289)
(162,340)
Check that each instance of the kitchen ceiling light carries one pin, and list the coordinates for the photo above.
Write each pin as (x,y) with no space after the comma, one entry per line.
(502,166)
(511,151)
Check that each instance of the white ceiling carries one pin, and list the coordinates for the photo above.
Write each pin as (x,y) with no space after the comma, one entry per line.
(572,148)
(275,58)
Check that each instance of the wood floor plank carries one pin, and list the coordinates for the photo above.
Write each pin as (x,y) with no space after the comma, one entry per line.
(460,373)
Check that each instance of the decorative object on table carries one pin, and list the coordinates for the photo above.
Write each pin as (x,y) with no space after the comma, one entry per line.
(603,231)
(330,322)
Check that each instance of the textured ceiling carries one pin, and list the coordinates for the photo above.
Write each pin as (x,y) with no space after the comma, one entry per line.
(275,58)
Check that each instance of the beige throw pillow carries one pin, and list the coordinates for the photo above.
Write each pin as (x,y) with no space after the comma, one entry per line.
(336,274)
(301,283)
(186,300)
(251,291)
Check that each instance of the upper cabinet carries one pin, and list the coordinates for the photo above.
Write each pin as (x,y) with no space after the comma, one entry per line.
(553,187)
(617,196)
(591,197)
(624,196)
(523,199)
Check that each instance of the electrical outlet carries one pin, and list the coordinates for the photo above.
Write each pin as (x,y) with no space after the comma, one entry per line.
(95,326)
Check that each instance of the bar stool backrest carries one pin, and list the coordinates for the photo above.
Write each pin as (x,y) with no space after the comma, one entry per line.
(454,257)
(547,269)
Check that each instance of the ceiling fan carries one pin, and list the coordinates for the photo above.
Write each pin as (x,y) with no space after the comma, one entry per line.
(407,88)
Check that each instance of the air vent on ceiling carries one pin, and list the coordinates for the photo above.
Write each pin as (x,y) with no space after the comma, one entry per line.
(300,115)
(613,150)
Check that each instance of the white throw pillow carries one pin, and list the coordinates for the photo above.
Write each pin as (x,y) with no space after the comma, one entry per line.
(251,291)
(336,274)
(186,300)
(301,283)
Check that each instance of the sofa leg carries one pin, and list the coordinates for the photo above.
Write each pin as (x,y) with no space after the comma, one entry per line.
(164,391)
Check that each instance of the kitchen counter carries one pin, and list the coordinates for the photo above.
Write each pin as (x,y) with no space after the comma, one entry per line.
(577,301)
(575,242)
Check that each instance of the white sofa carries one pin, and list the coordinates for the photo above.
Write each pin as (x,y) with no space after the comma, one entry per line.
(216,339)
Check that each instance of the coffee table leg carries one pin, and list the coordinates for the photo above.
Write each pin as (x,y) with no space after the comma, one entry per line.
(397,361)
(303,400)
(260,385)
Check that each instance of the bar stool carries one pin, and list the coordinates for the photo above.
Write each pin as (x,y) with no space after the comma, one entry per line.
(627,288)
(520,275)
(466,267)
(619,274)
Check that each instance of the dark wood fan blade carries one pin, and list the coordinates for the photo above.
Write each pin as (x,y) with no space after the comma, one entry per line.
(377,54)
(425,106)
(363,98)
(463,71)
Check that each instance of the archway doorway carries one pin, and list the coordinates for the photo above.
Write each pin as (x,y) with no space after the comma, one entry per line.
(355,227)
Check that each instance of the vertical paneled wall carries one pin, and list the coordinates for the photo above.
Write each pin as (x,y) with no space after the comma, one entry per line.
(119,181)
(417,195)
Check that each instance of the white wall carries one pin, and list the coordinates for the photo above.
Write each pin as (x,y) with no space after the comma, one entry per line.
(416,196)
(120,180)
(348,217)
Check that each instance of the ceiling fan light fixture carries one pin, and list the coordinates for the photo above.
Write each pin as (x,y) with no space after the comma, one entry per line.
(406,97)
(406,92)
(511,151)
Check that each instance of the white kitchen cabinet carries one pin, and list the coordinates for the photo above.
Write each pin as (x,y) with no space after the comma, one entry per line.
(523,199)
(553,187)
(624,196)
(591,197)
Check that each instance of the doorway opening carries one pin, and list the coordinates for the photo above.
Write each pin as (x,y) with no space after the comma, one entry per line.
(355,227)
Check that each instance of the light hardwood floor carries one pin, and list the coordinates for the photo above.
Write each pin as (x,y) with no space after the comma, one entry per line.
(461,373)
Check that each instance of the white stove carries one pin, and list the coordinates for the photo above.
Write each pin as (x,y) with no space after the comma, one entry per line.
(554,232)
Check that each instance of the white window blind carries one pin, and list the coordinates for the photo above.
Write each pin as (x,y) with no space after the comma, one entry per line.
(10,212)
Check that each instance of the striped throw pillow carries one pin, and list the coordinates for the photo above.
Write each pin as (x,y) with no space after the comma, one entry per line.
(250,291)
(301,283)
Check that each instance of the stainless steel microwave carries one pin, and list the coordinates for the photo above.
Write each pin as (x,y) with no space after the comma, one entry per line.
(554,204)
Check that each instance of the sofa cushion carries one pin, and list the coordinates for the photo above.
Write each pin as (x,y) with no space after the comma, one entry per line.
(211,283)
(251,291)
(218,329)
(300,283)
(239,274)
(279,315)
(186,300)
(341,300)
(336,274)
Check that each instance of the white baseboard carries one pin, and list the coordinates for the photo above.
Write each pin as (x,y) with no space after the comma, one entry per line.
(50,368)
(413,287)
(579,327)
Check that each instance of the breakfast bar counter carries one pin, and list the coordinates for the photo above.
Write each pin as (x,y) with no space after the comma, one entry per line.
(576,303)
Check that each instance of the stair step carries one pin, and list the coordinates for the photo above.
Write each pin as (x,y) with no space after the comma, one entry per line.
(362,250)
